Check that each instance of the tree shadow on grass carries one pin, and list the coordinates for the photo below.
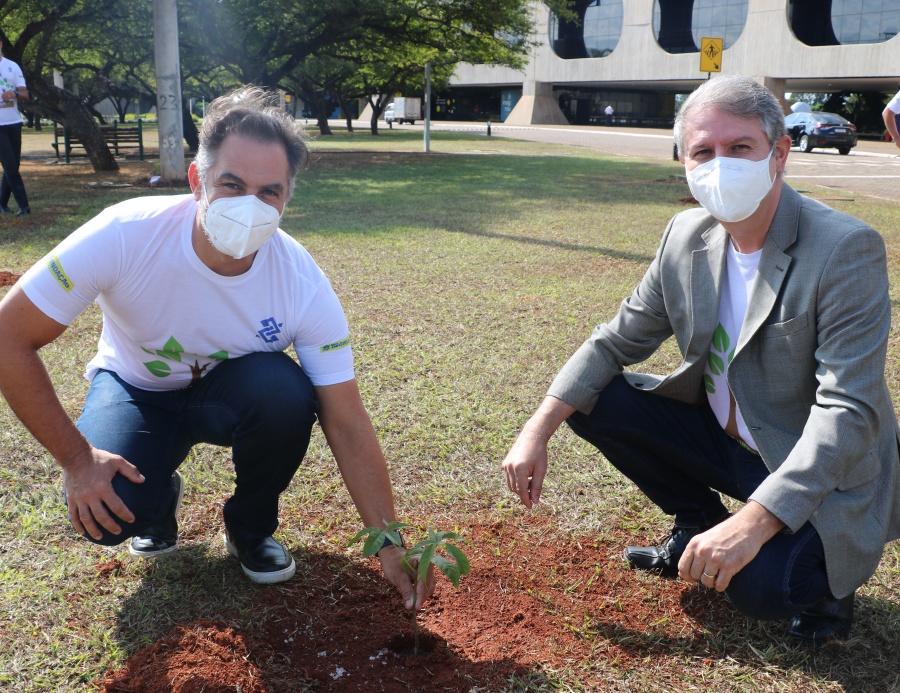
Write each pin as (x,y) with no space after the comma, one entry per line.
(336,626)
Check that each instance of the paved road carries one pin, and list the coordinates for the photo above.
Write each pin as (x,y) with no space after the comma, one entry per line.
(872,168)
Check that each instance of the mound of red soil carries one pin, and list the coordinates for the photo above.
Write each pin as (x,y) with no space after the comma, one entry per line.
(532,602)
(8,278)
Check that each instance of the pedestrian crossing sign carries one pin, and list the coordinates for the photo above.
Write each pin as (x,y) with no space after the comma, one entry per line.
(711,54)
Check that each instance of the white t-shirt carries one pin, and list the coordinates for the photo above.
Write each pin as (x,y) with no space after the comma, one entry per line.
(740,275)
(11,77)
(894,104)
(168,319)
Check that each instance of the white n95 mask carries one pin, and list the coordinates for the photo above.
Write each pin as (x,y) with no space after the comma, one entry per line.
(239,226)
(731,189)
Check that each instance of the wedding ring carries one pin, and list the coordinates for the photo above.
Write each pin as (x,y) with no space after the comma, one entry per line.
(711,577)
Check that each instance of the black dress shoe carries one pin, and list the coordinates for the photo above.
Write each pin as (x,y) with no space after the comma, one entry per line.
(664,558)
(23,211)
(264,561)
(829,619)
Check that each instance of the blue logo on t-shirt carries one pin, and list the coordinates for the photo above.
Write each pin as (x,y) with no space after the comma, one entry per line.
(270,331)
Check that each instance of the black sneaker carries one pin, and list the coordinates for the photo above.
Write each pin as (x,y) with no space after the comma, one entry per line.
(265,561)
(163,538)
(5,210)
(23,211)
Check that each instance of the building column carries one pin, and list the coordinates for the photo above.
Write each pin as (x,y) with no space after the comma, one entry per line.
(536,107)
(777,86)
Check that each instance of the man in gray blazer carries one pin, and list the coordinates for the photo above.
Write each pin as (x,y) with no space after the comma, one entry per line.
(780,309)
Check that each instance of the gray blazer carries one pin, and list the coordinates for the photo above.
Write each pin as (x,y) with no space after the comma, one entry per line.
(808,371)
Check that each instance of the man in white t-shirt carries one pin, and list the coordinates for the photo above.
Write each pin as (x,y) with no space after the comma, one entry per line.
(201,294)
(12,90)
(781,312)
(890,115)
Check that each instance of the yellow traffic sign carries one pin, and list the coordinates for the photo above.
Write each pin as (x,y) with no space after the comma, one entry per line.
(710,54)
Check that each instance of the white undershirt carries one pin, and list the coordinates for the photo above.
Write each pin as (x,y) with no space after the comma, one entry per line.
(740,275)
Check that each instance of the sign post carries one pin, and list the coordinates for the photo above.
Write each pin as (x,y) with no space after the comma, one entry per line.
(710,55)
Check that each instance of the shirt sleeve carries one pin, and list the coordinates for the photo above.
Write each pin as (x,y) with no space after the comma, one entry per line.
(894,104)
(69,278)
(323,345)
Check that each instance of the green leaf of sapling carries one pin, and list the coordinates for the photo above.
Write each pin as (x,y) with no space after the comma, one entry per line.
(424,562)
(461,559)
(448,568)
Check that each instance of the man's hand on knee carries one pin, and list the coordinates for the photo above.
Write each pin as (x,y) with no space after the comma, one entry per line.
(716,556)
(91,500)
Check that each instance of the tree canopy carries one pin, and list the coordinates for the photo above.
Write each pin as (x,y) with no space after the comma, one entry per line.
(328,51)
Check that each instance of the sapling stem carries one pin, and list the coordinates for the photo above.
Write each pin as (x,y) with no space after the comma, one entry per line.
(454,564)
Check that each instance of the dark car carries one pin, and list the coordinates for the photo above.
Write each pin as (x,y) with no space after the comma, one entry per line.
(816,129)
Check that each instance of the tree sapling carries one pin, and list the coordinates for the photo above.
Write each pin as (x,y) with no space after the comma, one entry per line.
(425,553)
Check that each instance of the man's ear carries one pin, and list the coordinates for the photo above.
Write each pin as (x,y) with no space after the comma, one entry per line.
(782,149)
(194,180)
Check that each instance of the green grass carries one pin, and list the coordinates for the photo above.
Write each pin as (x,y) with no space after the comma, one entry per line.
(468,275)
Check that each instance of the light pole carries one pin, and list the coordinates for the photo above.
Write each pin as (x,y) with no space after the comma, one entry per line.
(168,91)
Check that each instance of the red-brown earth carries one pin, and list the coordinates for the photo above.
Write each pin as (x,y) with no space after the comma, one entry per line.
(8,278)
(531,604)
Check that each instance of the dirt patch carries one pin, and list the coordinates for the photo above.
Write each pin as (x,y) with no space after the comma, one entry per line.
(204,656)
(8,278)
(532,603)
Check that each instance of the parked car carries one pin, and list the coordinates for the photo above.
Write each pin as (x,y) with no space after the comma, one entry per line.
(817,129)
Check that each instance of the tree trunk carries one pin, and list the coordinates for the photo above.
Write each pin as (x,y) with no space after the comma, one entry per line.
(191,136)
(322,122)
(348,115)
(65,108)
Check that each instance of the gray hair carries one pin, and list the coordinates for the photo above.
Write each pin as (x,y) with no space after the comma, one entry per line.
(254,113)
(739,96)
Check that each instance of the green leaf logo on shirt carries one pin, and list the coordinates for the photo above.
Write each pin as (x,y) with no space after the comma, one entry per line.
(172,350)
(718,357)
(160,369)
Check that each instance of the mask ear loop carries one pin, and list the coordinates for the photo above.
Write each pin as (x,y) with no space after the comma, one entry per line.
(204,205)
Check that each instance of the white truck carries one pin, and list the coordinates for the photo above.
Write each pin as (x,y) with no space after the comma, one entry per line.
(404,109)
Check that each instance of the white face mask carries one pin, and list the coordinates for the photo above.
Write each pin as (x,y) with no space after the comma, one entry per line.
(239,226)
(731,189)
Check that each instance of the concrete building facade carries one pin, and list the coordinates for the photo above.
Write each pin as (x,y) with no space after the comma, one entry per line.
(637,55)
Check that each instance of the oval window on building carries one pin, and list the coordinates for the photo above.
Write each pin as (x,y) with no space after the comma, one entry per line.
(679,25)
(835,22)
(596,35)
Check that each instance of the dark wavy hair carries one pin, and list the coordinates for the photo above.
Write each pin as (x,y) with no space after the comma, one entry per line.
(254,113)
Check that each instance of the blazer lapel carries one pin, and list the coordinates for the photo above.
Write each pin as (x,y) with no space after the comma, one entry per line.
(773,264)
(707,272)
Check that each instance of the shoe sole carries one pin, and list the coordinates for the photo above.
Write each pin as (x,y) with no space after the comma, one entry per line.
(174,547)
(270,578)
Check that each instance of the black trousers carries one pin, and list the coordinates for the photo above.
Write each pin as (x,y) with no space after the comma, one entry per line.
(10,155)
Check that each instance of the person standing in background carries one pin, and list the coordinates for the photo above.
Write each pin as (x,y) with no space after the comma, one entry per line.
(12,90)
(889,114)
(609,114)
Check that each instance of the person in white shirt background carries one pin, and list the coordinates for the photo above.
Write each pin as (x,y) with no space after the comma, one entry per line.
(12,90)
(889,114)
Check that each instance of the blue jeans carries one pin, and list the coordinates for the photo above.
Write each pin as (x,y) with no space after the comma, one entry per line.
(681,459)
(262,405)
